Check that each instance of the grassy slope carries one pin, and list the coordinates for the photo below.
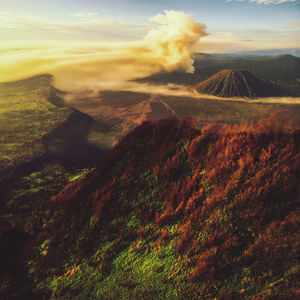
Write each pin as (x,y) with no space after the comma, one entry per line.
(176,213)
(29,109)
(25,116)
(148,268)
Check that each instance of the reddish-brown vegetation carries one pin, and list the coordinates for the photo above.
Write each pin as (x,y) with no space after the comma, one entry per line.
(231,191)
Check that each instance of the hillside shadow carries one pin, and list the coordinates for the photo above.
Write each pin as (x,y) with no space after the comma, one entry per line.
(15,283)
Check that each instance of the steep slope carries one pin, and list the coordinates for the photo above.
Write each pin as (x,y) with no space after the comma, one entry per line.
(43,145)
(176,213)
(69,141)
(33,111)
(29,108)
(34,118)
(229,83)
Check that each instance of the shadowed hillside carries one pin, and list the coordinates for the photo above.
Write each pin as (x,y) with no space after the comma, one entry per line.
(175,213)
(29,108)
(69,140)
(229,83)
(43,145)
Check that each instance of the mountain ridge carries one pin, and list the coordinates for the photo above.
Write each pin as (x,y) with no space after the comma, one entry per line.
(200,215)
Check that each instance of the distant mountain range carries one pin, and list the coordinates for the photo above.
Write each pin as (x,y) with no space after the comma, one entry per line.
(283,70)
(291,51)
(229,83)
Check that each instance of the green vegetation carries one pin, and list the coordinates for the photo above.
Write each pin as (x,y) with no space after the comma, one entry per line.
(29,191)
(25,116)
(119,269)
(172,213)
(29,110)
(175,213)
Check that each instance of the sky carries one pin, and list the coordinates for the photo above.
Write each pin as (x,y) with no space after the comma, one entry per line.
(232,25)
(109,43)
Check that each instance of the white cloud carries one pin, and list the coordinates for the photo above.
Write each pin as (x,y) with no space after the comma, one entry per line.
(87,27)
(84,16)
(168,46)
(246,39)
(272,1)
(267,1)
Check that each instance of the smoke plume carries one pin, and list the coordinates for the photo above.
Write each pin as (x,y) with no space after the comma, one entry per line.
(167,47)
(174,41)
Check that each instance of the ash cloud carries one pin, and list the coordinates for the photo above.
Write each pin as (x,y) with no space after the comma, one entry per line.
(168,46)
(173,43)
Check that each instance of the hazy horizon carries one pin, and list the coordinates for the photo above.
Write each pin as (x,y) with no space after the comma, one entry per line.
(115,41)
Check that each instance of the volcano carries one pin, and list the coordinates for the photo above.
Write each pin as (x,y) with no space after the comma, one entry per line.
(230,83)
